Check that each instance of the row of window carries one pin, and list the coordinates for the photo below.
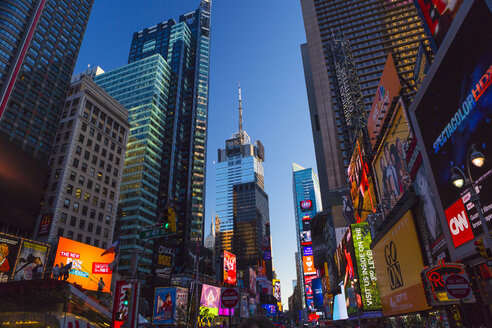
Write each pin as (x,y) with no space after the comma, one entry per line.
(88,240)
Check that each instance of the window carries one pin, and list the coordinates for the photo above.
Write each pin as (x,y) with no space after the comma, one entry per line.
(115,172)
(82,224)
(106,179)
(69,189)
(87,155)
(84,167)
(90,227)
(79,237)
(84,210)
(105,192)
(93,214)
(92,171)
(101,164)
(73,221)
(113,183)
(63,217)
(97,188)
(78,193)
(70,234)
(84,127)
(66,203)
(110,207)
(89,143)
(95,200)
(75,162)
(96,242)
(98,230)
(106,233)
(54,185)
(91,132)
(78,150)
(88,240)
(108,220)
(60,232)
(104,245)
(103,204)
(100,217)
(72,175)
(81,138)
(89,183)
(111,195)
(61,158)
(81,180)
(87,196)
(76,207)
(99,175)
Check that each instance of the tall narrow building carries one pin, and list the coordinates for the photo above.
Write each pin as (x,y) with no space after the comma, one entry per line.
(364,32)
(307,202)
(166,155)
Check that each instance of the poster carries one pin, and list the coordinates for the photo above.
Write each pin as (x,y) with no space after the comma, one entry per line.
(9,248)
(276,290)
(164,263)
(252,281)
(32,255)
(308,264)
(164,305)
(317,293)
(229,268)
(209,302)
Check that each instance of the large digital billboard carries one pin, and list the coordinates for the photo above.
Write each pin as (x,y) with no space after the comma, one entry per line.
(88,266)
(229,268)
(276,290)
(454,113)
(308,264)
(368,282)
(390,167)
(361,184)
(32,254)
(398,260)
(210,300)
(388,88)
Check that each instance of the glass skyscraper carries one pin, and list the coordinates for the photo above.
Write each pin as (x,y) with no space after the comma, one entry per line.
(168,166)
(39,44)
(307,202)
(372,28)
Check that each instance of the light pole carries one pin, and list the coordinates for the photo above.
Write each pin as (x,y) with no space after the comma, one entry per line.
(459,179)
(354,281)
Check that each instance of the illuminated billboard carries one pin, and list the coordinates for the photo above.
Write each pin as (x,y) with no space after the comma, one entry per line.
(308,264)
(361,185)
(170,305)
(88,266)
(388,88)
(306,205)
(229,268)
(390,167)
(9,249)
(276,290)
(32,254)
(210,299)
(366,270)
(398,260)
(306,238)
(452,114)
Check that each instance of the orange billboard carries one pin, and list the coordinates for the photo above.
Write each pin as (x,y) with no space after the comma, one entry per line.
(88,266)
(308,263)
(388,88)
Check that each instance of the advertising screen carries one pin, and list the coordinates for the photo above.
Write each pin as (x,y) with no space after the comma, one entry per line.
(317,293)
(210,299)
(308,264)
(306,223)
(398,260)
(437,16)
(306,238)
(229,268)
(307,251)
(365,266)
(306,205)
(88,266)
(454,114)
(276,290)
(181,305)
(9,248)
(388,88)
(164,260)
(390,167)
(32,254)
(361,185)
(433,278)
(164,305)
(252,281)
(271,309)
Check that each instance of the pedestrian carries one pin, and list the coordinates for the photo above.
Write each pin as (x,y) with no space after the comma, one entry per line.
(62,271)
(100,287)
(257,322)
(66,271)
(56,272)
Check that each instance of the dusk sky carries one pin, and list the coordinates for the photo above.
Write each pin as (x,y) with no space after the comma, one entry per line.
(256,43)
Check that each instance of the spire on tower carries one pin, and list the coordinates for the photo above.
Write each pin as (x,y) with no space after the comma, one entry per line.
(240,111)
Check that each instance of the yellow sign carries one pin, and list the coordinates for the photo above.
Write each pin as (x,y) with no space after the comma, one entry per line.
(399,262)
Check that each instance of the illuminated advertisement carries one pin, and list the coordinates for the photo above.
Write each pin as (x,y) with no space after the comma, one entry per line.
(164,305)
(389,165)
(164,261)
(210,299)
(433,278)
(388,88)
(45,224)
(306,205)
(398,260)
(361,185)
(252,281)
(9,249)
(308,264)
(276,290)
(306,238)
(32,255)
(271,309)
(87,264)
(438,16)
(317,293)
(306,223)
(229,268)
(307,251)
(308,285)
(454,114)
(368,283)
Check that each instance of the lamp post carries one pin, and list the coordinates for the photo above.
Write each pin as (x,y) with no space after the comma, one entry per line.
(459,179)
(354,281)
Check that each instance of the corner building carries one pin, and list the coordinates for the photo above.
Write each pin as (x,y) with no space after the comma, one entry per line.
(373,28)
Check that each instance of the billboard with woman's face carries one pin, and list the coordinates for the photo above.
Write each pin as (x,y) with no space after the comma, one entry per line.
(210,299)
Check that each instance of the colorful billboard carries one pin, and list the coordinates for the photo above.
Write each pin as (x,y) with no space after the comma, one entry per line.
(308,264)
(164,260)
(252,281)
(45,224)
(229,268)
(455,113)
(306,205)
(388,88)
(317,293)
(209,301)
(164,305)
(433,278)
(437,16)
(9,249)
(390,167)
(306,238)
(361,184)
(88,266)
(368,282)
(32,255)
(270,309)
(276,290)
(398,260)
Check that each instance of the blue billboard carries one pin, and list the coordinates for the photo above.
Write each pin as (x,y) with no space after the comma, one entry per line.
(317,293)
(164,304)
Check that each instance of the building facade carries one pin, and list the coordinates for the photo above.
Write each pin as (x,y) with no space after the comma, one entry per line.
(39,44)
(372,28)
(86,163)
(143,88)
(307,202)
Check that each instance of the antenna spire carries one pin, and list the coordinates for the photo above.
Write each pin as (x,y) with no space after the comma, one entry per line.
(240,111)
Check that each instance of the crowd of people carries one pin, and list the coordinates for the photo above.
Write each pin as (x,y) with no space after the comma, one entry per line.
(61,272)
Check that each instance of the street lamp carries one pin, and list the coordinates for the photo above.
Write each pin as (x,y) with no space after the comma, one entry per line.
(459,179)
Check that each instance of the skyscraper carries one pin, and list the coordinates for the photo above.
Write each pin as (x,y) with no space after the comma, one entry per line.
(365,32)
(39,44)
(307,202)
(239,162)
(166,156)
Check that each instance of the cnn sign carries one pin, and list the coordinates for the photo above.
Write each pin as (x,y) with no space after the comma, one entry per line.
(459,224)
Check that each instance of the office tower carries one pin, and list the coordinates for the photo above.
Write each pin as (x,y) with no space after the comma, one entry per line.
(86,163)
(307,202)
(39,44)
(239,162)
(142,87)
(372,29)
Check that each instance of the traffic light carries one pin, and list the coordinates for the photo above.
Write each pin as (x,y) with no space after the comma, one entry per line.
(170,223)
(126,298)
(482,248)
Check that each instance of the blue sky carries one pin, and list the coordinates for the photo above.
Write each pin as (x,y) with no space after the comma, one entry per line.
(256,43)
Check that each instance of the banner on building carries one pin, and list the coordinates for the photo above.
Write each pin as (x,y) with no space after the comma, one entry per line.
(209,302)
(31,260)
(229,268)
(9,249)
(164,305)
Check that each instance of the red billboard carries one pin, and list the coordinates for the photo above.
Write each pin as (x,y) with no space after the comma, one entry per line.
(459,224)
(45,224)
(229,268)
(306,205)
